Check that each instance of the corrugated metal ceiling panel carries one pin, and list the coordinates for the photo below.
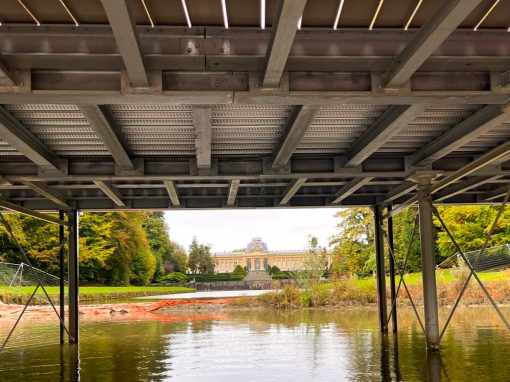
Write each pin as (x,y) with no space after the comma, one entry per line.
(62,128)
(433,122)
(156,130)
(336,127)
(247,130)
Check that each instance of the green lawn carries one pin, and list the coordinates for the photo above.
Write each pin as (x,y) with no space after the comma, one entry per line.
(89,293)
(442,276)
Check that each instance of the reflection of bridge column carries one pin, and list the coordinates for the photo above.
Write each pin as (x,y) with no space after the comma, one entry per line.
(433,367)
(73,276)
(428,259)
(381,274)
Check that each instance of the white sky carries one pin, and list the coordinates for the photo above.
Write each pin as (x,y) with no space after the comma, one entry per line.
(226,230)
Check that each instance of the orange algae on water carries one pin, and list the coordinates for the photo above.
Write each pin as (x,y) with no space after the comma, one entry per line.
(124,311)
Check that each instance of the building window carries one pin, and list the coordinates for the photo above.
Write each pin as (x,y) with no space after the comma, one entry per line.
(265,264)
(248,264)
(257,264)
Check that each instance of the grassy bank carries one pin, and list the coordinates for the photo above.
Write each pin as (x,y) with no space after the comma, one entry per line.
(19,295)
(354,292)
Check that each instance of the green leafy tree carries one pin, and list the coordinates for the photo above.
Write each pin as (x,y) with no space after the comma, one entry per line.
(200,259)
(96,245)
(178,257)
(469,225)
(133,261)
(157,234)
(403,225)
(353,245)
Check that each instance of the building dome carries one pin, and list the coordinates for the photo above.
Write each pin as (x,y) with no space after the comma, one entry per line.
(256,244)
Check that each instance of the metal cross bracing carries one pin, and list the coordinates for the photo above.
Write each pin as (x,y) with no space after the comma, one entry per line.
(38,277)
(431,329)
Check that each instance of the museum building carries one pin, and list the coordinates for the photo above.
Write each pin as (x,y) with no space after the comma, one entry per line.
(256,256)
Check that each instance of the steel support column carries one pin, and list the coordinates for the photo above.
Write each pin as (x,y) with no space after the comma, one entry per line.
(381,274)
(61,275)
(428,261)
(73,276)
(393,292)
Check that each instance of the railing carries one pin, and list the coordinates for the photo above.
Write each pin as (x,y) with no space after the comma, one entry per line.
(17,275)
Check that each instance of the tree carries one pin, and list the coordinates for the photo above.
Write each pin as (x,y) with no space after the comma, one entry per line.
(133,261)
(178,257)
(200,259)
(469,226)
(157,234)
(96,245)
(315,263)
(353,245)
(403,226)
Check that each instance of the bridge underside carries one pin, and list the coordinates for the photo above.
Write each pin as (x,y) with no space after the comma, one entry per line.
(112,113)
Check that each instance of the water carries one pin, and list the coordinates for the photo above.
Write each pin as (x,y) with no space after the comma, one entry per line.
(341,345)
(207,294)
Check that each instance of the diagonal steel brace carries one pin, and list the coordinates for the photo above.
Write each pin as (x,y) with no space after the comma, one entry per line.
(471,268)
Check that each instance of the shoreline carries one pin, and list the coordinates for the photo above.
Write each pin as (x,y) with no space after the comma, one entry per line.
(169,310)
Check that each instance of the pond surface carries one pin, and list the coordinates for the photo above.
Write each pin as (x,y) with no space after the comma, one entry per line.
(259,346)
(207,294)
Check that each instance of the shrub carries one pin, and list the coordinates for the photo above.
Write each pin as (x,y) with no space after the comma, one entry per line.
(210,278)
(238,274)
(175,277)
(280,276)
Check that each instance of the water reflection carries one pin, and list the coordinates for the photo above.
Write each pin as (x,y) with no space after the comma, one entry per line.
(260,346)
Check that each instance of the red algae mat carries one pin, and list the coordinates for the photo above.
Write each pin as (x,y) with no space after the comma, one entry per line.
(119,312)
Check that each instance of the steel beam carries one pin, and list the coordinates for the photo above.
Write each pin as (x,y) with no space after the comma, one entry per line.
(441,24)
(403,189)
(25,211)
(483,160)
(110,191)
(464,186)
(105,128)
(350,188)
(172,193)
(18,136)
(4,183)
(291,190)
(6,77)
(202,122)
(380,271)
(232,192)
(73,276)
(391,123)
(495,194)
(124,29)
(468,130)
(428,261)
(295,128)
(282,35)
(47,192)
